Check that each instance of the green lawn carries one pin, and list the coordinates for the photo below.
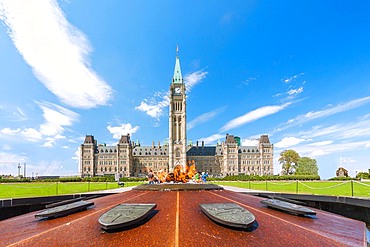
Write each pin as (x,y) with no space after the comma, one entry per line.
(333,188)
(17,190)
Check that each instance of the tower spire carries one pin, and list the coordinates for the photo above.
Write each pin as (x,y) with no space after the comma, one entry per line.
(177,77)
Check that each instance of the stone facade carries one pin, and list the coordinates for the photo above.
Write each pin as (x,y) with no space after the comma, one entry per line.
(130,159)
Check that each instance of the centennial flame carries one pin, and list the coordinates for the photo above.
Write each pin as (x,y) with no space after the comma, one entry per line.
(179,174)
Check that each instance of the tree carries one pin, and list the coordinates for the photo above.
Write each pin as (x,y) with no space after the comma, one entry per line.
(363,175)
(306,166)
(288,159)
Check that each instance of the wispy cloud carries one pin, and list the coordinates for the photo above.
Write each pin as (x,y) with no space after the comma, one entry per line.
(295,91)
(123,129)
(253,116)
(9,161)
(322,143)
(211,139)
(13,114)
(194,78)
(205,117)
(348,130)
(330,111)
(325,140)
(316,151)
(56,119)
(295,87)
(249,80)
(154,106)
(56,51)
(292,78)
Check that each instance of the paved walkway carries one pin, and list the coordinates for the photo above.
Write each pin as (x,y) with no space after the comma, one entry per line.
(244,190)
(114,191)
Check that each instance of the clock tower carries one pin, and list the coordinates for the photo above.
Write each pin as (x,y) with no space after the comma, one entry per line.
(177,119)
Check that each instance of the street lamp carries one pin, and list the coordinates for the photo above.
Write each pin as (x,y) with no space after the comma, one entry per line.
(19,169)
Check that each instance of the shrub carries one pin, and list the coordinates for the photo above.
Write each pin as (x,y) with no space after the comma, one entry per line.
(70,179)
(342,178)
(15,180)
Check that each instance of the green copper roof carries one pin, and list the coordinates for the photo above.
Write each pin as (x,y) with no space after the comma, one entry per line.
(177,77)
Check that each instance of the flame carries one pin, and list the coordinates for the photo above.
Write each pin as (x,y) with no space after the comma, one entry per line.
(179,174)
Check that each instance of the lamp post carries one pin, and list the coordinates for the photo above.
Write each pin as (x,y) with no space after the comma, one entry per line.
(24,170)
(19,169)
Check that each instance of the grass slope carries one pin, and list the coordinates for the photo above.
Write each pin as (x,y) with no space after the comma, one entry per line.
(17,190)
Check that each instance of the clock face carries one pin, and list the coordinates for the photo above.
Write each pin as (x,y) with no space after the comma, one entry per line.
(177,90)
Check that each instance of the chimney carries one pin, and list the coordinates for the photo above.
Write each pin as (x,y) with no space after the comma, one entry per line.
(202,144)
(197,144)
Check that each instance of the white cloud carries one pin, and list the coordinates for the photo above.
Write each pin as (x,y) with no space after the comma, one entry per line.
(288,142)
(32,134)
(248,142)
(49,143)
(8,131)
(253,115)
(56,51)
(152,107)
(203,118)
(124,129)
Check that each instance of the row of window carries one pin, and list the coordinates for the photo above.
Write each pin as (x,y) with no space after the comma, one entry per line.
(146,153)
(106,169)
(249,168)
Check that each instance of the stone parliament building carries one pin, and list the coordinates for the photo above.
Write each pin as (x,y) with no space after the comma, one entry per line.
(130,159)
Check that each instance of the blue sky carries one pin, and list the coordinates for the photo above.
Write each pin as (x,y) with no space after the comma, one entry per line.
(298,71)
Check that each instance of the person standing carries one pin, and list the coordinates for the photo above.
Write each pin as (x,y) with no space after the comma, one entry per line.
(151,177)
